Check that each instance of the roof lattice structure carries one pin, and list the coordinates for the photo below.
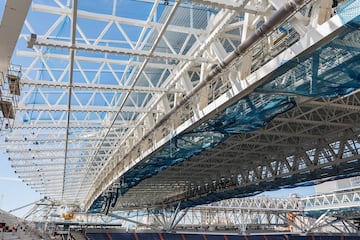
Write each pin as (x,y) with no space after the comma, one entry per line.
(161,102)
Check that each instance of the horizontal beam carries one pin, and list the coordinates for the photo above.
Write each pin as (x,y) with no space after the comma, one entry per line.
(52,150)
(30,177)
(94,60)
(75,108)
(44,124)
(55,169)
(334,105)
(119,51)
(96,87)
(59,140)
(317,122)
(40,165)
(47,158)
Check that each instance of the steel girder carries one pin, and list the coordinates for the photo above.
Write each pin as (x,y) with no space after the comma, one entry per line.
(284,148)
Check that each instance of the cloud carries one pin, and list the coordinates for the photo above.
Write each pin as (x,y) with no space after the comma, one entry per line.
(10,179)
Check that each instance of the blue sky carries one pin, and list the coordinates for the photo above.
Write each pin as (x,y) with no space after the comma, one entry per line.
(13,192)
(2,5)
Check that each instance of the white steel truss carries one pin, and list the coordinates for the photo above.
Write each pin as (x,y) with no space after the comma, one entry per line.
(289,150)
(334,212)
(103,88)
(243,161)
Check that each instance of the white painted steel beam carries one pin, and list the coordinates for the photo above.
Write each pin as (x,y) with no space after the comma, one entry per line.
(91,59)
(13,18)
(96,125)
(75,108)
(97,87)
(118,51)
(69,100)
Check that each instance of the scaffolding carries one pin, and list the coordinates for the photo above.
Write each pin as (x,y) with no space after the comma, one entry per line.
(9,96)
(13,77)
